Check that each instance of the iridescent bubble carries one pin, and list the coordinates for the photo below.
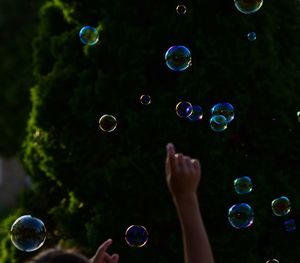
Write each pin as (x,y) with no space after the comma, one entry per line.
(28,233)
(218,123)
(240,215)
(145,99)
(248,6)
(225,109)
(243,185)
(136,236)
(178,58)
(298,116)
(281,206)
(181,9)
(251,36)
(290,225)
(89,35)
(197,113)
(272,261)
(107,123)
(184,109)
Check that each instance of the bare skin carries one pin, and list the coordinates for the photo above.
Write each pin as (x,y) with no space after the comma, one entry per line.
(102,256)
(183,175)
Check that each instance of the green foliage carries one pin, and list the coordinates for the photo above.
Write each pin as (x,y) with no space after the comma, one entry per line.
(90,185)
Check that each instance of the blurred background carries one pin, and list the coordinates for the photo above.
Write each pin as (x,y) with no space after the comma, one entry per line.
(87,185)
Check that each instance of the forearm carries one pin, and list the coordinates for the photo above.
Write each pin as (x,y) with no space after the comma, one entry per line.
(195,241)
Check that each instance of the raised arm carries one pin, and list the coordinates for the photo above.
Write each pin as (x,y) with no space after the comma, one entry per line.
(183,176)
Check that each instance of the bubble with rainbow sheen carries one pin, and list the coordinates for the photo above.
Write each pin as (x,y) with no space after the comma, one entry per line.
(290,225)
(248,6)
(281,206)
(225,109)
(240,216)
(107,123)
(251,36)
(145,99)
(218,123)
(181,9)
(136,236)
(89,35)
(178,58)
(28,233)
(197,113)
(184,109)
(243,185)
(273,261)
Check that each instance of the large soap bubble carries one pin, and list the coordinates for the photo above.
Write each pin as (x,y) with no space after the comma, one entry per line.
(240,215)
(248,6)
(136,236)
(178,58)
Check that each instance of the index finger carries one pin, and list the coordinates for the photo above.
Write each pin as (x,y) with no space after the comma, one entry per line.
(170,154)
(102,249)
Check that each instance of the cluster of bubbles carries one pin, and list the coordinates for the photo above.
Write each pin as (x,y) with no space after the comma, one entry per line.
(221,115)
(185,109)
(178,58)
(281,206)
(136,236)
(251,36)
(240,215)
(145,99)
(181,9)
(243,185)
(28,233)
(107,123)
(248,6)
(89,35)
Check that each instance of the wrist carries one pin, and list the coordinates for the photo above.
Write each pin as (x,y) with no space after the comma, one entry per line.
(184,199)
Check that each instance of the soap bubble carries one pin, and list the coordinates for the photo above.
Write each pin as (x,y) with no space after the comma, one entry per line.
(248,6)
(251,36)
(290,225)
(225,109)
(145,99)
(272,261)
(298,115)
(243,185)
(89,35)
(197,113)
(184,109)
(136,236)
(240,215)
(181,9)
(178,58)
(218,123)
(107,123)
(28,233)
(281,206)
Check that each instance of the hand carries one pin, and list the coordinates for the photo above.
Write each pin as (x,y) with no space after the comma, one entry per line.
(182,173)
(102,256)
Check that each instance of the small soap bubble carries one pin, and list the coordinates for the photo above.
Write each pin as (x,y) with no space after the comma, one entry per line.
(240,215)
(197,113)
(184,109)
(178,58)
(89,35)
(281,206)
(298,116)
(248,6)
(107,123)
(243,185)
(145,99)
(272,261)
(181,9)
(225,109)
(290,225)
(218,123)
(136,236)
(28,233)
(251,36)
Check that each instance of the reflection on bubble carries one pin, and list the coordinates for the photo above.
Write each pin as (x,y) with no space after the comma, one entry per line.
(298,116)
(197,113)
(218,123)
(178,58)
(240,215)
(28,233)
(145,99)
(248,6)
(243,185)
(89,35)
(225,109)
(251,36)
(281,206)
(136,236)
(184,109)
(107,123)
(181,9)
(272,261)
(290,225)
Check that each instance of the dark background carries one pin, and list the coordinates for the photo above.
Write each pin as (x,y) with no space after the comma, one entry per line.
(89,185)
